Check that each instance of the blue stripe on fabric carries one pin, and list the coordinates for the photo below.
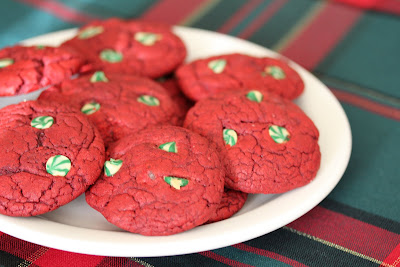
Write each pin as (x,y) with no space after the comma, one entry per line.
(218,15)
(250,18)
(281,22)
(369,56)
(371,181)
(106,8)
(22,21)
(250,258)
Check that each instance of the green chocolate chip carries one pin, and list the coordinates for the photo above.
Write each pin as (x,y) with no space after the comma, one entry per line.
(98,76)
(279,134)
(230,137)
(58,165)
(217,65)
(40,47)
(4,62)
(148,100)
(255,95)
(276,72)
(111,56)
(176,182)
(169,147)
(147,38)
(112,166)
(90,32)
(90,108)
(42,122)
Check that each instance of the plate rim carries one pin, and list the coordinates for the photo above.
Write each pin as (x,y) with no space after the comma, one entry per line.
(41,235)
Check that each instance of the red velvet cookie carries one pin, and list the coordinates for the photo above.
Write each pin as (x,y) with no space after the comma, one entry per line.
(49,155)
(173,89)
(205,77)
(130,47)
(268,145)
(26,69)
(117,104)
(161,181)
(232,201)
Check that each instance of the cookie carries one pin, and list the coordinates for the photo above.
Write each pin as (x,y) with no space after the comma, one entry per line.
(267,143)
(49,155)
(26,69)
(161,181)
(117,104)
(130,47)
(205,77)
(173,89)
(232,201)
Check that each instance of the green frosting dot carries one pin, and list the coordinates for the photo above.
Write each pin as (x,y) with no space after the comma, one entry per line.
(176,182)
(230,137)
(276,72)
(255,95)
(217,66)
(148,100)
(58,165)
(90,32)
(147,38)
(42,122)
(279,134)
(90,108)
(98,76)
(169,147)
(5,62)
(112,166)
(111,56)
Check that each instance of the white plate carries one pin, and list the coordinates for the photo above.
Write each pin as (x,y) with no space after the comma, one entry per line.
(78,228)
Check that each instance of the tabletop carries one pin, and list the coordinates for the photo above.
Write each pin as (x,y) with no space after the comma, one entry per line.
(352,46)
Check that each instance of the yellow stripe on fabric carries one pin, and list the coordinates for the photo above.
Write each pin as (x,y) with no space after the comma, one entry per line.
(327,243)
(141,262)
(200,12)
(300,26)
(33,257)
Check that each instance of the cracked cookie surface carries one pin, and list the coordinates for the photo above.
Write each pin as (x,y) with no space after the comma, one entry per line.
(118,105)
(26,69)
(205,77)
(173,89)
(130,47)
(169,181)
(232,201)
(267,144)
(35,176)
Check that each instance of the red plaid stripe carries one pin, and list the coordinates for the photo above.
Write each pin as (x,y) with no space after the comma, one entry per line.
(262,18)
(367,104)
(318,38)
(177,10)
(393,259)
(363,238)
(222,259)
(239,16)
(60,10)
(390,6)
(269,254)
(64,259)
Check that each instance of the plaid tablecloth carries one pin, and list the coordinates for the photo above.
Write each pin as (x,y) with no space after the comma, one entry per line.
(353,46)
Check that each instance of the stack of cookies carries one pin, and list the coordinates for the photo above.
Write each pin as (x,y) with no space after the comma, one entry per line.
(158,146)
